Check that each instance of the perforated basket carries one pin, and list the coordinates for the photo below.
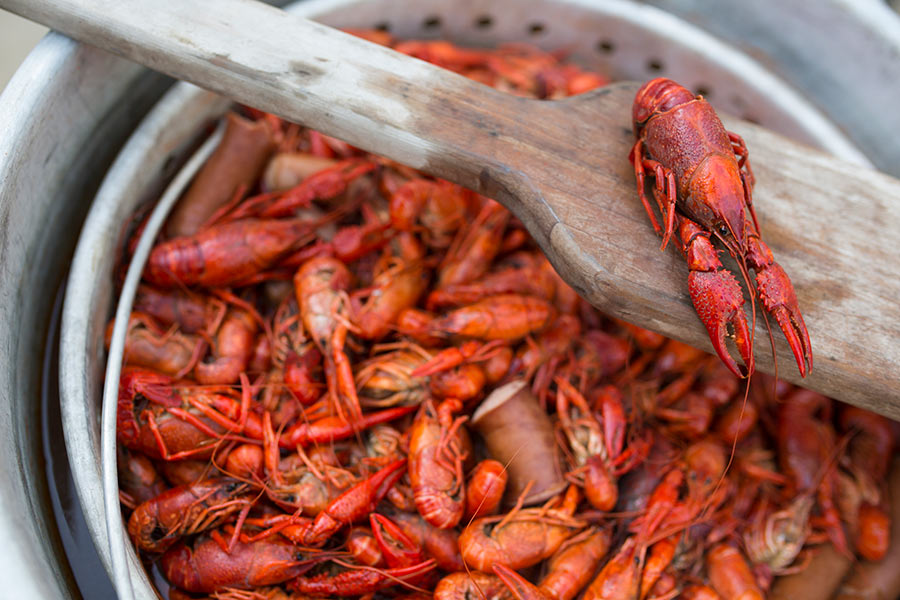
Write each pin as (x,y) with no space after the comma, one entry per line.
(626,40)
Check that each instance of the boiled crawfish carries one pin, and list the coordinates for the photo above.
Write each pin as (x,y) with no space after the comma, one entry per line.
(703,189)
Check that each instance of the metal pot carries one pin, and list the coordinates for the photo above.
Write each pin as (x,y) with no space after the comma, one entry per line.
(63,117)
(69,109)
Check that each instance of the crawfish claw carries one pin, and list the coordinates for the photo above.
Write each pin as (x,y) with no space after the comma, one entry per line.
(777,295)
(718,301)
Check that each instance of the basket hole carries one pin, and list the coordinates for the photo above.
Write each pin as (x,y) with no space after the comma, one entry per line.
(484,22)
(703,90)
(383,26)
(752,119)
(655,65)
(536,28)
(606,47)
(431,22)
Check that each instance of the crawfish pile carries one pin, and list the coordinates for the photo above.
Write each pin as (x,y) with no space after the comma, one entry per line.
(312,338)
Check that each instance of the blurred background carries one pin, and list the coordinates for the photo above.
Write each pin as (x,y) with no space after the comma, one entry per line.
(17,37)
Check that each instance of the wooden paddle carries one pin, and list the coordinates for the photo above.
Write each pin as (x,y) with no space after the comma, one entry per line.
(560,166)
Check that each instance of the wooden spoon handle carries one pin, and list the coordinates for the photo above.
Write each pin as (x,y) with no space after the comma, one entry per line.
(560,166)
(344,86)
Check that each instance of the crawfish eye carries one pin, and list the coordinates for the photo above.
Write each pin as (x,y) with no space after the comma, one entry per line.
(723,231)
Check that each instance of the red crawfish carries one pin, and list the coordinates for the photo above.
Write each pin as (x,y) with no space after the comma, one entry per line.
(158,523)
(148,345)
(326,183)
(438,445)
(353,505)
(204,567)
(870,451)
(320,285)
(730,574)
(485,488)
(230,350)
(703,188)
(470,585)
(357,581)
(226,254)
(139,480)
(522,537)
(568,571)
(439,544)
(507,317)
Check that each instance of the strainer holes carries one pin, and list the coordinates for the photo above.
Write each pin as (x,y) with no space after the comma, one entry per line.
(606,46)
(431,22)
(752,119)
(655,65)
(484,22)
(383,26)
(536,28)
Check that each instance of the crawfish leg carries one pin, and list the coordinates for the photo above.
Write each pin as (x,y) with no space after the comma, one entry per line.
(740,150)
(664,191)
(637,159)
(747,177)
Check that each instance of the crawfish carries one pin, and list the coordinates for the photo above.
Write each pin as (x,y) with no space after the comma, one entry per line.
(398,549)
(774,538)
(503,317)
(471,585)
(870,451)
(357,581)
(147,345)
(475,246)
(204,567)
(399,281)
(595,447)
(299,374)
(437,449)
(164,422)
(435,207)
(361,543)
(523,273)
(539,358)
(387,379)
(327,183)
(485,488)
(230,351)
(300,483)
(160,522)
(139,481)
(191,311)
(620,577)
(730,574)
(320,286)
(568,571)
(806,447)
(440,544)
(353,505)
(331,429)
(226,254)
(703,188)
(521,538)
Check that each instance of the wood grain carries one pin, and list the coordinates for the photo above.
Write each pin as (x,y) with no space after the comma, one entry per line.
(560,166)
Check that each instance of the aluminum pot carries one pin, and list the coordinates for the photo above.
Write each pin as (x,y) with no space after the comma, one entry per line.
(63,117)
(69,109)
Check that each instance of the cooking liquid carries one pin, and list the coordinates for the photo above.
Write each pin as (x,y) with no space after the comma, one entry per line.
(84,561)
